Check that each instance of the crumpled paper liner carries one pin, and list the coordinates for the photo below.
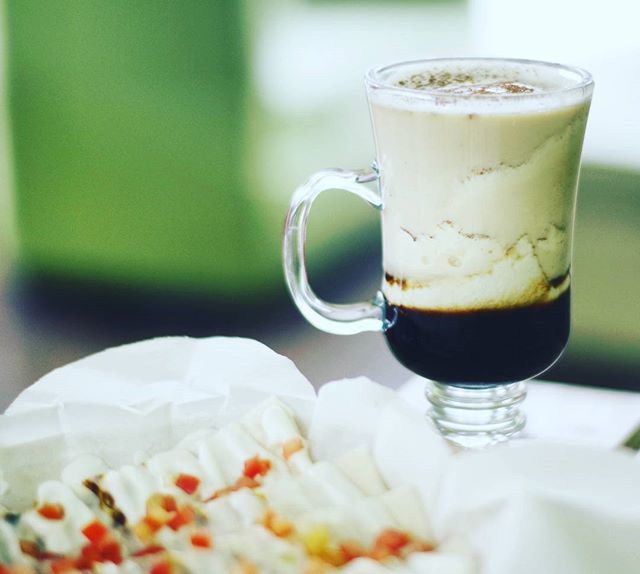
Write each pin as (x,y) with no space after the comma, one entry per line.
(126,403)
(529,507)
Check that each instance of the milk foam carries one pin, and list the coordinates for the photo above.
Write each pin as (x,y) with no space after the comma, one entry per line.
(478,195)
(485,86)
(506,77)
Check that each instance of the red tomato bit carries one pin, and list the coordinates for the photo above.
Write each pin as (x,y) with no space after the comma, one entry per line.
(95,531)
(389,543)
(63,565)
(163,567)
(51,511)
(201,539)
(185,515)
(256,466)
(188,483)
(110,552)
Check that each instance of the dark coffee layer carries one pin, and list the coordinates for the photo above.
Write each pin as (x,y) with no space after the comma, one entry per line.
(480,346)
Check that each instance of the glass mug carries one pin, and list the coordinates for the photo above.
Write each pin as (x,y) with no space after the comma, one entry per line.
(477,171)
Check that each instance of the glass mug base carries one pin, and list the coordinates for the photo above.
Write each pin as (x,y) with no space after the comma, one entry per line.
(476,416)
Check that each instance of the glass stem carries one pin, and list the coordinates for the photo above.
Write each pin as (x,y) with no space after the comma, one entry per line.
(479,415)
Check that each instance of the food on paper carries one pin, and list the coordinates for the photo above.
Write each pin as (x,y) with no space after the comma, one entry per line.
(244,499)
(129,404)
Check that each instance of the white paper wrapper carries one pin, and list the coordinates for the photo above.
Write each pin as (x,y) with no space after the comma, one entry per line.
(543,507)
(531,508)
(125,404)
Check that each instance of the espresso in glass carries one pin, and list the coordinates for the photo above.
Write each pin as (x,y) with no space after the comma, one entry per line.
(477,221)
(477,164)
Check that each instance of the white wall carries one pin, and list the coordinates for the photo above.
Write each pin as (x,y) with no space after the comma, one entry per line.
(600,36)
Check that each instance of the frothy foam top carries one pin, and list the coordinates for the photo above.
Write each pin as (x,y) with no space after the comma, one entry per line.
(464,84)
(517,84)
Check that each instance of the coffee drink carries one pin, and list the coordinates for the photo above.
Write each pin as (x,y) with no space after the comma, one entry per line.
(477,165)
(478,182)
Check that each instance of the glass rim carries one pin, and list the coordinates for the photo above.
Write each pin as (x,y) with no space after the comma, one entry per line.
(584,80)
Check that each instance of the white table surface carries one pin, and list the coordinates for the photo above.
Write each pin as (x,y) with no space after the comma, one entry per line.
(566,413)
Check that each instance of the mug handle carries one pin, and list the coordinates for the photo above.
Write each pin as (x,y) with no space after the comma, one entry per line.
(330,317)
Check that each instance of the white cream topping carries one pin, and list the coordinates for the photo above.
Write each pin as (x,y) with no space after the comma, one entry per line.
(240,446)
(406,507)
(167,466)
(130,487)
(336,488)
(369,566)
(249,507)
(206,452)
(360,468)
(279,428)
(75,473)
(441,562)
(370,517)
(222,516)
(270,554)
(62,535)
(126,567)
(278,425)
(288,495)
(348,499)
(205,562)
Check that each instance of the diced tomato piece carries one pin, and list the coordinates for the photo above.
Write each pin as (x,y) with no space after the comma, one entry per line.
(393,539)
(153,524)
(90,554)
(51,511)
(163,567)
(185,515)
(148,550)
(352,550)
(291,447)
(188,483)
(201,539)
(95,531)
(110,551)
(169,503)
(389,543)
(62,565)
(83,563)
(256,466)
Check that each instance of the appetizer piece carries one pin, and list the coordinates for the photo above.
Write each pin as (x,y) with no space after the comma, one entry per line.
(243,499)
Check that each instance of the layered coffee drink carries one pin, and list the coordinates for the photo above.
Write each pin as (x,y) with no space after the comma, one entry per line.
(479,165)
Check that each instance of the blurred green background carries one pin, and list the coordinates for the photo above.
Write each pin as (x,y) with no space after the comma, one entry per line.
(132,146)
(149,148)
